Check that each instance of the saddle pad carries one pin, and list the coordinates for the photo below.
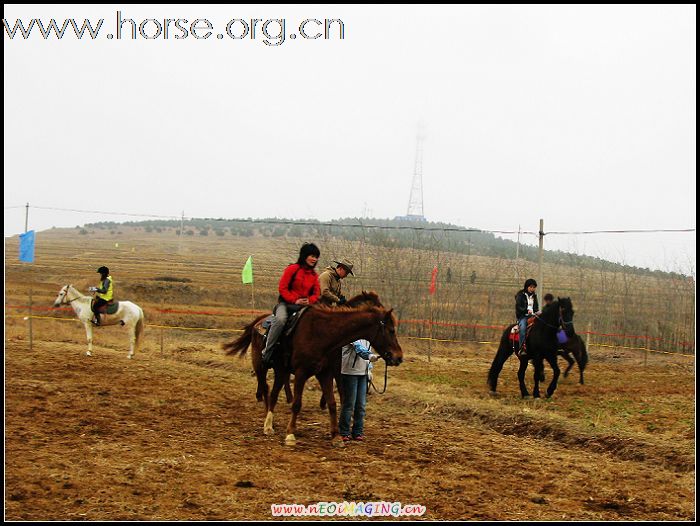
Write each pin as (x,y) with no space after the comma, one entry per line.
(264,324)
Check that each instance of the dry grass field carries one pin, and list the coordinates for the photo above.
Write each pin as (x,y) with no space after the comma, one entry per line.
(176,433)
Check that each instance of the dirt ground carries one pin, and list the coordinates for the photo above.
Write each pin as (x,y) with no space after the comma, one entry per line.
(177,435)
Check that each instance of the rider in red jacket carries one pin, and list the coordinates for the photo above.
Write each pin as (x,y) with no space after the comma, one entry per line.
(298,288)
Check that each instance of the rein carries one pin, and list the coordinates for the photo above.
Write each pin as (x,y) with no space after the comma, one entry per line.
(386,378)
(562,323)
(66,300)
(381,327)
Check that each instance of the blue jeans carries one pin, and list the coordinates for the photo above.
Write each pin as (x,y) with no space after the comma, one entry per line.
(354,401)
(522,324)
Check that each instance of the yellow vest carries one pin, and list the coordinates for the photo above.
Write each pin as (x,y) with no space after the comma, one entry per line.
(107,296)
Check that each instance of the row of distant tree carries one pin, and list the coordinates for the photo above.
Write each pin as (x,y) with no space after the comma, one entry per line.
(442,237)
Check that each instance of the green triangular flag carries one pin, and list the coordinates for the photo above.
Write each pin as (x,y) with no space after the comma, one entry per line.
(248,271)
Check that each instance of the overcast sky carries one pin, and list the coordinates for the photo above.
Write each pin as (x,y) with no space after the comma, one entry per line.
(582,116)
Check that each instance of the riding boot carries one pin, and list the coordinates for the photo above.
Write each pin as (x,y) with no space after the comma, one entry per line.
(267,356)
(96,321)
(522,353)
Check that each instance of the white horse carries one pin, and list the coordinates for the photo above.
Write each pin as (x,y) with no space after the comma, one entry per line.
(128,314)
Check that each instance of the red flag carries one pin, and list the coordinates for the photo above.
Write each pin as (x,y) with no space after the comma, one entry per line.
(433,280)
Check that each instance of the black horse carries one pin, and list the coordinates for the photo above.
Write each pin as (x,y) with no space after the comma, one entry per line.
(541,344)
(577,347)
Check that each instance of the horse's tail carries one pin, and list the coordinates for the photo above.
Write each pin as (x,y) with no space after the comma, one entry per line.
(139,330)
(240,345)
(505,349)
(584,354)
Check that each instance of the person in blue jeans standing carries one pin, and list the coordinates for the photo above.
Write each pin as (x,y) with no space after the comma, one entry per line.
(354,368)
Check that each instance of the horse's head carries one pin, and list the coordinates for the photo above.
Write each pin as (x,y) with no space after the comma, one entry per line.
(566,316)
(385,342)
(62,296)
(365,298)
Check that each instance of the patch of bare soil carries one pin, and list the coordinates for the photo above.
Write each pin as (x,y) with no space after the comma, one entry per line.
(178,436)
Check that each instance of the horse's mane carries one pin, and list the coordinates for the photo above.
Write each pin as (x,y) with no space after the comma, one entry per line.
(365,307)
(364,299)
(554,306)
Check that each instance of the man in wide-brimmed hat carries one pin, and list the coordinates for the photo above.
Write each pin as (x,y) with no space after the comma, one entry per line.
(330,282)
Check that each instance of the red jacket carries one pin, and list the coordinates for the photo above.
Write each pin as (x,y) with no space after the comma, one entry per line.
(305,284)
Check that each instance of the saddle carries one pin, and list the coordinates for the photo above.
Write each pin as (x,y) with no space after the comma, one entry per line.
(108,308)
(263,326)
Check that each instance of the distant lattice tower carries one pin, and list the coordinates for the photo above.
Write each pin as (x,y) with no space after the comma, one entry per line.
(415,202)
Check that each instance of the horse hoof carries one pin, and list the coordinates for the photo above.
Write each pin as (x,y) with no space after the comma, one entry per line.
(268,430)
(88,353)
(337,442)
(129,357)
(493,393)
(290,441)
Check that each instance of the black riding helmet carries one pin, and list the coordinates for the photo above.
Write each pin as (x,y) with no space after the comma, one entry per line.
(308,249)
(104,271)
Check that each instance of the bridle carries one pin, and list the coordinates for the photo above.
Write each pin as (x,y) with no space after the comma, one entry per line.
(65,299)
(382,328)
(562,323)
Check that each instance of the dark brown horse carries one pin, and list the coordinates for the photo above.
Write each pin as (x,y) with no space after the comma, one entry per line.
(319,332)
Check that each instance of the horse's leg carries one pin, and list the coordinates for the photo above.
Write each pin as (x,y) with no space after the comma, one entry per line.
(570,361)
(263,393)
(539,365)
(287,390)
(300,377)
(503,353)
(88,331)
(555,375)
(521,377)
(132,340)
(339,384)
(580,368)
(326,381)
(281,377)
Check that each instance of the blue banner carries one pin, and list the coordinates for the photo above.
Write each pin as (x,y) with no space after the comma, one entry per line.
(26,247)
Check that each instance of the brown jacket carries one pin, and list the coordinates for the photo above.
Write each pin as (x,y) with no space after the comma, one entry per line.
(330,286)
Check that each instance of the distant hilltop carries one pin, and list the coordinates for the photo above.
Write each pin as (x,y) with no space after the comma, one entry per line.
(400,232)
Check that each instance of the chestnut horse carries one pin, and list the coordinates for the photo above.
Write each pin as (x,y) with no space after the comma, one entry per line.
(281,373)
(541,344)
(319,333)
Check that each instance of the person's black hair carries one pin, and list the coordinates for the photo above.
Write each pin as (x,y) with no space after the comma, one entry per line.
(529,282)
(103,271)
(548,297)
(307,249)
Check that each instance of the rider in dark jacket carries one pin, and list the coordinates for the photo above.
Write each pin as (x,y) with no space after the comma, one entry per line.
(526,305)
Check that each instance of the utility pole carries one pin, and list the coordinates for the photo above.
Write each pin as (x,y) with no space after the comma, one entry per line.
(26,229)
(541,278)
(517,254)
(182,223)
